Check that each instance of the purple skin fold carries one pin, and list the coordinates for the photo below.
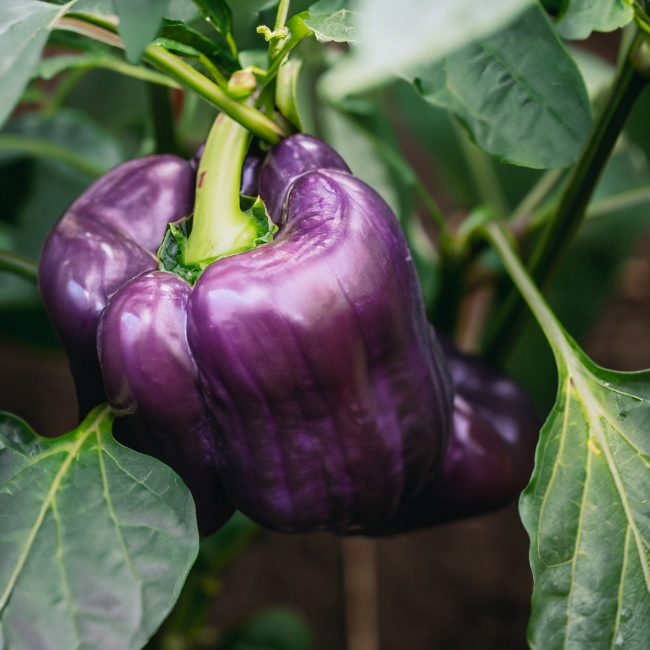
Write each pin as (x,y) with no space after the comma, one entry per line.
(328,400)
(491,452)
(108,235)
(159,392)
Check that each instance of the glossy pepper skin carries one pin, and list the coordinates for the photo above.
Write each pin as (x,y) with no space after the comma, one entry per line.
(328,401)
(491,452)
(109,235)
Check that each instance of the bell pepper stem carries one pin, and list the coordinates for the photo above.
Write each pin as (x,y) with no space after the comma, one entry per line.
(219,226)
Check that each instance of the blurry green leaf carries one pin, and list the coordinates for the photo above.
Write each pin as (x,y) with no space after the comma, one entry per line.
(331,21)
(395,38)
(50,67)
(219,13)
(96,539)
(139,24)
(581,17)
(278,628)
(519,93)
(598,73)
(70,130)
(638,124)
(179,32)
(24,26)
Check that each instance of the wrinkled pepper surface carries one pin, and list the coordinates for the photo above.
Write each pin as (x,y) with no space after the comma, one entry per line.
(299,376)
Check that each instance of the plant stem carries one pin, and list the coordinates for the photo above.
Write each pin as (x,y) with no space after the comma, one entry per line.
(617,202)
(251,119)
(163,119)
(531,202)
(34,146)
(281,16)
(19,265)
(185,74)
(219,226)
(569,215)
(497,237)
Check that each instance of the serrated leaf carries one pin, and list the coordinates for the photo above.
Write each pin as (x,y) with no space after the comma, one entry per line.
(331,20)
(581,17)
(24,28)
(519,94)
(96,540)
(394,38)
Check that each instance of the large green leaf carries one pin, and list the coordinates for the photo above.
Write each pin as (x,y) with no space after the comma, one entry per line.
(519,93)
(24,27)
(95,539)
(394,38)
(331,20)
(587,512)
(586,508)
(581,17)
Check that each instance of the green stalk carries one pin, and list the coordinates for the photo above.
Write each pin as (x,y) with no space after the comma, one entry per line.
(563,226)
(176,68)
(219,226)
(37,147)
(524,283)
(163,119)
(185,74)
(19,265)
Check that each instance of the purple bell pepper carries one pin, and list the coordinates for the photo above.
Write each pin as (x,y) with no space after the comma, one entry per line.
(326,402)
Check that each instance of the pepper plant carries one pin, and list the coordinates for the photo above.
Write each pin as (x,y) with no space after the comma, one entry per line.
(169,278)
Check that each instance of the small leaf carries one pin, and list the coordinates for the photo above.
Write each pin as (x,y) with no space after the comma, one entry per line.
(181,33)
(96,539)
(24,26)
(139,24)
(331,21)
(219,13)
(519,93)
(394,38)
(581,17)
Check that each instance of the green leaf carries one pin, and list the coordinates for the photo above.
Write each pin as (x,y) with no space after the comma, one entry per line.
(24,26)
(586,508)
(139,24)
(69,136)
(331,21)
(219,13)
(396,38)
(519,94)
(278,628)
(179,32)
(581,17)
(96,539)
(587,512)
(54,65)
